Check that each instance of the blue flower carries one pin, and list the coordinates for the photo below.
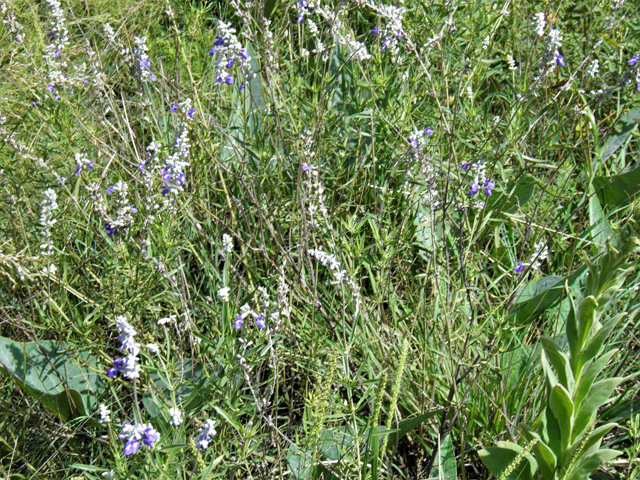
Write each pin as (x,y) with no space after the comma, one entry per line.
(229,80)
(633,60)
(374,31)
(474,188)
(560,60)
(465,166)
(260,323)
(241,86)
(488,186)
(110,189)
(111,230)
(413,142)
(191,113)
(428,131)
(132,446)
(238,323)
(174,107)
(300,18)
(519,267)
(229,62)
(149,436)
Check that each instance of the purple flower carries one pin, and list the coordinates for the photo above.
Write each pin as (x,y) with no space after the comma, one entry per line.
(374,31)
(51,87)
(399,34)
(219,42)
(111,189)
(385,44)
(453,29)
(111,231)
(519,267)
(133,209)
(165,190)
(118,365)
(34,103)
(141,166)
(238,323)
(560,60)
(488,186)
(212,52)
(303,3)
(633,60)
(260,323)
(244,54)
(180,178)
(229,62)
(191,113)
(166,174)
(241,86)
(218,78)
(79,169)
(85,81)
(428,131)
(149,436)
(229,80)
(57,54)
(300,18)
(50,34)
(90,164)
(474,188)
(413,142)
(465,166)
(152,77)
(131,447)
(174,108)
(306,167)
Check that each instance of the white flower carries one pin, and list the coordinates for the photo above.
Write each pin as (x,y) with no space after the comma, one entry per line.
(227,243)
(205,435)
(110,475)
(170,318)
(540,23)
(176,416)
(593,68)
(223,294)
(104,413)
(152,347)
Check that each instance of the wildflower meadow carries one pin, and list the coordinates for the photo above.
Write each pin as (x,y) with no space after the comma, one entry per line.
(320,239)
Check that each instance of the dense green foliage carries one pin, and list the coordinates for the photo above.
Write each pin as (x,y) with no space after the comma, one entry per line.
(410,208)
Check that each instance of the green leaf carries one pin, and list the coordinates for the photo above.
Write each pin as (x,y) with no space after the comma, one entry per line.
(586,319)
(406,426)
(591,463)
(66,384)
(593,442)
(600,229)
(543,454)
(560,362)
(562,408)
(625,126)
(498,459)
(618,190)
(194,388)
(539,296)
(300,463)
(589,376)
(593,346)
(444,467)
(597,396)
(510,202)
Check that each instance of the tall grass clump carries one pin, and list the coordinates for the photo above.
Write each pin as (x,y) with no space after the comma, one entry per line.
(300,239)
